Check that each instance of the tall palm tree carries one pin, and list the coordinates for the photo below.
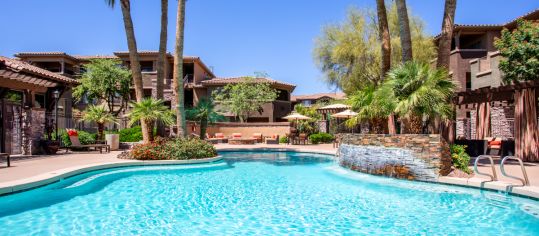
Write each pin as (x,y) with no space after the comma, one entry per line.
(204,113)
(385,37)
(178,69)
(404,29)
(149,111)
(133,54)
(161,60)
(372,105)
(444,44)
(419,93)
(100,116)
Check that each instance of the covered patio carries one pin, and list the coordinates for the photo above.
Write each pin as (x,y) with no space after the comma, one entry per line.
(524,136)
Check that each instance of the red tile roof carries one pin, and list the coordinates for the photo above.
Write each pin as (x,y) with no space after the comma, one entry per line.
(235,80)
(336,96)
(18,65)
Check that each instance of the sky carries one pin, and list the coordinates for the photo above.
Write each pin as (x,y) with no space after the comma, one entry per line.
(234,37)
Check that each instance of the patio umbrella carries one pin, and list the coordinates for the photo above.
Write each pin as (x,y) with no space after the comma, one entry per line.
(345,114)
(296,116)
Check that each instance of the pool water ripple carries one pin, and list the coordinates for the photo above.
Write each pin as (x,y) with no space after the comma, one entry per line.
(264,193)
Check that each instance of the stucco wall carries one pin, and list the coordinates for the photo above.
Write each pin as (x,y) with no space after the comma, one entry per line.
(408,156)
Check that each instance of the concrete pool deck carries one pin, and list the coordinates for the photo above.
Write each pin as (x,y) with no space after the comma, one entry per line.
(37,171)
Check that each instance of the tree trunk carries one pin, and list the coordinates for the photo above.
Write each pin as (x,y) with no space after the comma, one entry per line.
(404,28)
(161,61)
(178,69)
(385,37)
(444,50)
(413,125)
(149,133)
(444,44)
(203,128)
(134,58)
(100,128)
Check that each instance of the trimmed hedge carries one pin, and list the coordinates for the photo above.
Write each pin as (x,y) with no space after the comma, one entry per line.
(283,139)
(321,138)
(173,149)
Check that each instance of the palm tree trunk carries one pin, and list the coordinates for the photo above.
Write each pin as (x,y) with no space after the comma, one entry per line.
(385,37)
(149,133)
(161,60)
(414,125)
(203,127)
(444,50)
(406,38)
(100,128)
(444,45)
(178,69)
(134,58)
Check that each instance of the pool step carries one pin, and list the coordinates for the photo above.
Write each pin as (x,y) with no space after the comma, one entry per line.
(498,200)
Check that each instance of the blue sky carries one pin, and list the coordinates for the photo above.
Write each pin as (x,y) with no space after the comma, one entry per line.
(235,37)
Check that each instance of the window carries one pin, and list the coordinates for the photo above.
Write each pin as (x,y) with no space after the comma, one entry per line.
(306,103)
(468,81)
(146,66)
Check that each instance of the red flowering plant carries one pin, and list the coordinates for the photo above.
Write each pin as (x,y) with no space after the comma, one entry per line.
(72,132)
(173,149)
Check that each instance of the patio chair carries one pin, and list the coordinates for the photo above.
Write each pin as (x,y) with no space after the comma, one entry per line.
(494,144)
(218,138)
(75,143)
(273,139)
(258,137)
(302,138)
(237,135)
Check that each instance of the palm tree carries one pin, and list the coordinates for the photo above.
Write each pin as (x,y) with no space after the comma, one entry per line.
(404,28)
(99,115)
(178,69)
(148,111)
(133,54)
(372,105)
(385,37)
(419,93)
(162,59)
(204,113)
(444,44)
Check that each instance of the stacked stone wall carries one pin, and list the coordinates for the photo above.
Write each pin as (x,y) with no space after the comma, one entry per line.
(405,156)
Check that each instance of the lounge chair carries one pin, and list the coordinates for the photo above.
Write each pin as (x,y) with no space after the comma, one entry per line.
(273,139)
(258,137)
(218,138)
(494,144)
(236,135)
(75,143)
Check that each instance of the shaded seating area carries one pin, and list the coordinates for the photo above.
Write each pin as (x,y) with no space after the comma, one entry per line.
(523,99)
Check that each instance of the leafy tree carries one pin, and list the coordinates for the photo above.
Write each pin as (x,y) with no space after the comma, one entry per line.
(417,92)
(204,113)
(105,80)
(520,49)
(348,53)
(100,116)
(308,126)
(244,98)
(149,111)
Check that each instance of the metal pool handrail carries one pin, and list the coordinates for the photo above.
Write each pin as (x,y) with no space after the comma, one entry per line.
(525,181)
(493,177)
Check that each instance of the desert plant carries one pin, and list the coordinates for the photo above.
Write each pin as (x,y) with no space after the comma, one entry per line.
(149,111)
(173,149)
(460,158)
(100,116)
(204,113)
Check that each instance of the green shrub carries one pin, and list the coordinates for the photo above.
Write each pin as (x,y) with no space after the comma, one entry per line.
(84,137)
(173,149)
(283,139)
(321,138)
(460,158)
(133,134)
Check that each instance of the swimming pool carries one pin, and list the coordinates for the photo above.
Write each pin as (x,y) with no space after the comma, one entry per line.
(265,193)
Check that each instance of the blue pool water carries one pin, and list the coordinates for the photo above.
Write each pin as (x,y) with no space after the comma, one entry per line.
(264,193)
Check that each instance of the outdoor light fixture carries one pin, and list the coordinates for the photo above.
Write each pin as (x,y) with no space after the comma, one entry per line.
(56,95)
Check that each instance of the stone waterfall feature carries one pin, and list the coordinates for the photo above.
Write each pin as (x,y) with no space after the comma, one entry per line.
(421,157)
